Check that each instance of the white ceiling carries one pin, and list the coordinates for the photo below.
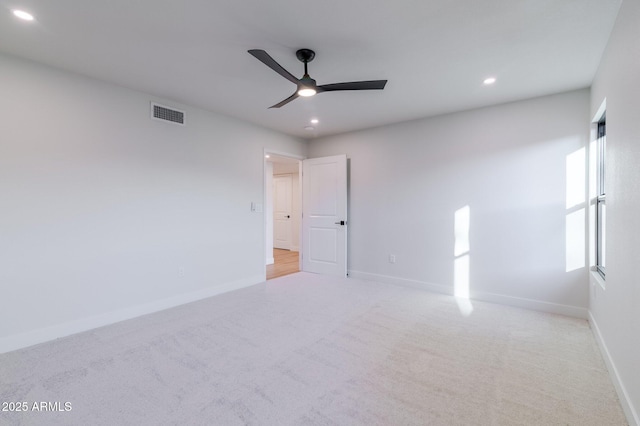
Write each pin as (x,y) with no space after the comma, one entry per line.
(435,53)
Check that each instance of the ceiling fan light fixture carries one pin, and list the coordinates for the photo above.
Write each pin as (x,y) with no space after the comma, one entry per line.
(306,91)
(307,86)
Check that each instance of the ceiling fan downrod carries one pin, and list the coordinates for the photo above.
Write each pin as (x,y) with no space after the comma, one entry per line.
(305,56)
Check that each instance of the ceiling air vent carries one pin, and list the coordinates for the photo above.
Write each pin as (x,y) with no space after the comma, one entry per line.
(163,113)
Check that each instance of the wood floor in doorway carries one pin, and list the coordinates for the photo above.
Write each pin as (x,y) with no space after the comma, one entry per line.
(286,262)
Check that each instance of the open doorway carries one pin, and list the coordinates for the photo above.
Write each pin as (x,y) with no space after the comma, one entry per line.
(283,214)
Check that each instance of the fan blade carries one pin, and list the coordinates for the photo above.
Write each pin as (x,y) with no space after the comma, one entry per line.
(286,101)
(354,85)
(264,57)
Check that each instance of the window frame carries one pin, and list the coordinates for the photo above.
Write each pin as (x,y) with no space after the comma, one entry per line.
(600,210)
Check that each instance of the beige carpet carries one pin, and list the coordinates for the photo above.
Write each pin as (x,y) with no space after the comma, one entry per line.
(310,350)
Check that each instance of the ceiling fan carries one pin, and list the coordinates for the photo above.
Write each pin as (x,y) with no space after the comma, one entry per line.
(306,85)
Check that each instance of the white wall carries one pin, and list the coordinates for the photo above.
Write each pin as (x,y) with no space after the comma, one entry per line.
(615,309)
(508,163)
(107,214)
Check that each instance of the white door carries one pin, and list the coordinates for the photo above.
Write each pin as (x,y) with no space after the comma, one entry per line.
(324,215)
(282,206)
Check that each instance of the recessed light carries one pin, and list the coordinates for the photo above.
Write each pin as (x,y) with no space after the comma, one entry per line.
(314,121)
(489,81)
(23,15)
(267,156)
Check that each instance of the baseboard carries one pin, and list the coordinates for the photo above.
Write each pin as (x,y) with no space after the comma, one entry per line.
(34,337)
(423,285)
(535,305)
(623,396)
(532,304)
(271,261)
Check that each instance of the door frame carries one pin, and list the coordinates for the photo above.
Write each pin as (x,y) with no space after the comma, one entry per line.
(299,158)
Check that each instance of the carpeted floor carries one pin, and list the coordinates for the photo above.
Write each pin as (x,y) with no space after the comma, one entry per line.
(311,350)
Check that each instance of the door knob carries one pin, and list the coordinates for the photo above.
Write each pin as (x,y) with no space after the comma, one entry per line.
(342,222)
(288,216)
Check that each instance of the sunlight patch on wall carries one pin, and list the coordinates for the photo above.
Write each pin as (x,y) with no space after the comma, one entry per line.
(575,220)
(462,220)
(461,277)
(462,247)
(575,240)
(576,178)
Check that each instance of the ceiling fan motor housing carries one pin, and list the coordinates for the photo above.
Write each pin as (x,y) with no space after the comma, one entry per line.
(307,81)
(305,55)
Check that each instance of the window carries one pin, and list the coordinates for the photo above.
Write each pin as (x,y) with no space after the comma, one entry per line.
(601,206)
